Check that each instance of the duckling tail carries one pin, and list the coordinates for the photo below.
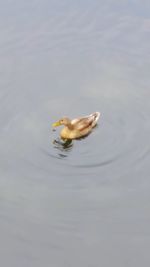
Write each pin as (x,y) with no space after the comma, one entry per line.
(96,116)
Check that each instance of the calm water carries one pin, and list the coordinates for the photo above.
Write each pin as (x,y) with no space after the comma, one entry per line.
(87,205)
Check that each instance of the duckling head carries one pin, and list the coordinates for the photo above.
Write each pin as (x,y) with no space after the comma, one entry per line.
(64,121)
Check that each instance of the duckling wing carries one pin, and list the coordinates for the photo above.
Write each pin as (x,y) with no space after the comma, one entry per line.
(86,122)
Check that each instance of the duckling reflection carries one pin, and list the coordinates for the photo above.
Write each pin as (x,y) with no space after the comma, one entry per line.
(63,146)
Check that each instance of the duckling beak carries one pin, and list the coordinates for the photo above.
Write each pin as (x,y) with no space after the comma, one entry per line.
(57,123)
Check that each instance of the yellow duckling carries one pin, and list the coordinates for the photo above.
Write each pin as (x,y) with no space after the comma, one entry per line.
(77,128)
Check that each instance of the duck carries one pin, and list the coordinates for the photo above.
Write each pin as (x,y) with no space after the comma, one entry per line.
(78,127)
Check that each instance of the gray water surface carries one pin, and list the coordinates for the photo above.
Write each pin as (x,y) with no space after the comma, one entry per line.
(87,205)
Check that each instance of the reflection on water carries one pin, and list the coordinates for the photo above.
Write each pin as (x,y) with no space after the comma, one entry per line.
(90,208)
(63,146)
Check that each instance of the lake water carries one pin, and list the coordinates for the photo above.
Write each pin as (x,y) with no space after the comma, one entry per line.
(88,204)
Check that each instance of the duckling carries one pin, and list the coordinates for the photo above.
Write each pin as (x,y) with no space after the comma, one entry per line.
(77,128)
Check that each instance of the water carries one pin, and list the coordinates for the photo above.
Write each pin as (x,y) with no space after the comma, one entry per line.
(88,204)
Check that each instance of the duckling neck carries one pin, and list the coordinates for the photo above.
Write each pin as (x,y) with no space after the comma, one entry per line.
(70,126)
